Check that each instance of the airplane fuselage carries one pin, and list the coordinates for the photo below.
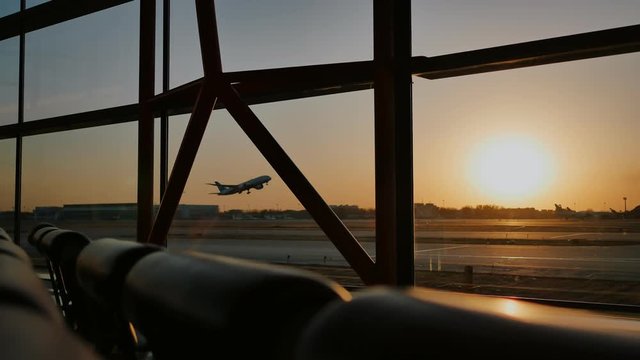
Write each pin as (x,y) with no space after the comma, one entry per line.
(255,183)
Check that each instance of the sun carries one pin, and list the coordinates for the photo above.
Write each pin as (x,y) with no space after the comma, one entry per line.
(510,168)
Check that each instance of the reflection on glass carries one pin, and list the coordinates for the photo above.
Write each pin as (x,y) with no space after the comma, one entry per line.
(8,7)
(7,184)
(83,180)
(9,71)
(84,64)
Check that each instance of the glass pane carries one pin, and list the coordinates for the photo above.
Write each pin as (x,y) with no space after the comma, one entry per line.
(269,224)
(156,161)
(31,3)
(83,180)
(9,71)
(84,64)
(159,45)
(495,153)
(186,63)
(260,34)
(446,26)
(331,140)
(7,184)
(8,7)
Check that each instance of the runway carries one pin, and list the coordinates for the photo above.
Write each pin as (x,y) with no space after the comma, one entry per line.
(593,249)
(588,262)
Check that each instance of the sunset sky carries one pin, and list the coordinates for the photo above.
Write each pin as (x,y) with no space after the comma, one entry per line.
(564,133)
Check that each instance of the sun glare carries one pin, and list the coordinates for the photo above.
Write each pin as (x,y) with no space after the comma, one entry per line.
(510,168)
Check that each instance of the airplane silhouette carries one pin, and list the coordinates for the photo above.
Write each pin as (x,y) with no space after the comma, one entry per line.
(255,183)
(570,213)
(635,213)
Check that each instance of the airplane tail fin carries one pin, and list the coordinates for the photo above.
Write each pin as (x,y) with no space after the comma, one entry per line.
(218,185)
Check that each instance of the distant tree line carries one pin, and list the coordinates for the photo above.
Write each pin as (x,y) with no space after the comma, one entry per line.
(426,211)
(422,211)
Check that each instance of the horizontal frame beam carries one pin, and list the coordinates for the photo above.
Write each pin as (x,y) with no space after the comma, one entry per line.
(109,116)
(533,53)
(50,13)
(272,85)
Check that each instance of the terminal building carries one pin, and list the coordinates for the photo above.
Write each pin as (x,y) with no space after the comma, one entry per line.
(126,211)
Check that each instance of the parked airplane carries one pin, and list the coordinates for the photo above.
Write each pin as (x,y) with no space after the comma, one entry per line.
(635,213)
(570,213)
(256,183)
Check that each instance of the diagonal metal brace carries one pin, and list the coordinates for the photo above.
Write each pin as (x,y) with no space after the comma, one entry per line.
(216,85)
(328,221)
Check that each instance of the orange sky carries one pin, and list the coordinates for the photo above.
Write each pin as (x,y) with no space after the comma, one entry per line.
(582,115)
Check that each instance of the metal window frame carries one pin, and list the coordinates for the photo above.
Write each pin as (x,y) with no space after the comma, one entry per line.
(389,74)
(50,13)
(17,214)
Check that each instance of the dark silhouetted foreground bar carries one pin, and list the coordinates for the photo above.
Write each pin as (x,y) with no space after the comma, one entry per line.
(31,326)
(387,323)
(101,270)
(187,305)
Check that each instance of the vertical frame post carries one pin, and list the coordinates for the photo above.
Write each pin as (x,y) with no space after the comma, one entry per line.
(393,142)
(212,65)
(164,118)
(145,122)
(17,215)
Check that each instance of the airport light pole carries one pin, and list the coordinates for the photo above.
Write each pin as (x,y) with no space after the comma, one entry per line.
(625,204)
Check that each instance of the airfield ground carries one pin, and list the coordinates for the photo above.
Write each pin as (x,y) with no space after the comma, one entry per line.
(594,235)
